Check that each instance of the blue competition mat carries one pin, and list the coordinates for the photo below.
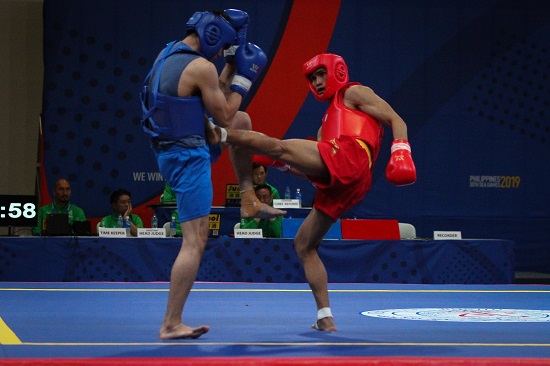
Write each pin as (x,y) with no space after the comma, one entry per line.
(65,320)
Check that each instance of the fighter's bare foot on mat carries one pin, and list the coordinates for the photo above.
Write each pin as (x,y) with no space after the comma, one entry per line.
(182,331)
(325,325)
(252,207)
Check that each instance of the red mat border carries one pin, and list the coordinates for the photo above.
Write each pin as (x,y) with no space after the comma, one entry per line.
(257,361)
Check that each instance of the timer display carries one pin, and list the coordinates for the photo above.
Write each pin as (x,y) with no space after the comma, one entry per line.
(18,210)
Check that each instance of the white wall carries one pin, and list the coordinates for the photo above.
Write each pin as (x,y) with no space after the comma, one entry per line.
(21,77)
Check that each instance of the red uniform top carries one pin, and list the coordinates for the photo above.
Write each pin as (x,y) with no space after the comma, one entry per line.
(340,120)
(345,132)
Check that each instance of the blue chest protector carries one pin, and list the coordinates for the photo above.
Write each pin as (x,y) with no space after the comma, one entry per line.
(167,117)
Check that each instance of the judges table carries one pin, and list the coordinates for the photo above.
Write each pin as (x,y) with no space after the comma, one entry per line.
(228,216)
(70,259)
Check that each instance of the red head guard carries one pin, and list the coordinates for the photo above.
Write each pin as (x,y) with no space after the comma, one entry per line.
(337,73)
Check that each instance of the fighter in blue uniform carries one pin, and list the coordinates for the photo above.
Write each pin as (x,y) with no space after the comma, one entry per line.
(181,96)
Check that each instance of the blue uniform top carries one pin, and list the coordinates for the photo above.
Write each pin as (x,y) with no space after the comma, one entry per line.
(167,118)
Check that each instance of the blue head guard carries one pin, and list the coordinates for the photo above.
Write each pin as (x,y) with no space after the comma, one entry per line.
(214,31)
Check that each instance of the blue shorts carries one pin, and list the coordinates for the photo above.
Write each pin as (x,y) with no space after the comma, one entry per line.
(188,173)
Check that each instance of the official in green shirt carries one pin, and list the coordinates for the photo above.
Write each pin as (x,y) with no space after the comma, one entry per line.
(60,205)
(169,196)
(271,228)
(259,176)
(121,200)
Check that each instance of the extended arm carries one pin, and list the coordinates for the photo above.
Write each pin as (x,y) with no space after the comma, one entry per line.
(400,169)
(366,100)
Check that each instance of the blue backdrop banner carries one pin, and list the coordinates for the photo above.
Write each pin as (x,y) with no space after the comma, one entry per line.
(470,79)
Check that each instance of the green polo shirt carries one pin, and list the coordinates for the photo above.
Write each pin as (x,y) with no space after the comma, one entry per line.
(270,229)
(110,221)
(274,192)
(75,214)
(169,196)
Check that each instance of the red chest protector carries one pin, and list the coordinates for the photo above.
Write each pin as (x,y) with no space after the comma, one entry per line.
(340,120)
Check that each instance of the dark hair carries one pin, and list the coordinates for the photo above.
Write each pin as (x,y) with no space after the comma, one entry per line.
(262,186)
(119,192)
(257,165)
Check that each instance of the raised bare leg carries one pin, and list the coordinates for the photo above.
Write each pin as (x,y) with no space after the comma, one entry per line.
(302,155)
(241,159)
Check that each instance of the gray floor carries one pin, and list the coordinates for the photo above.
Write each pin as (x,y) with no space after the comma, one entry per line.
(532,278)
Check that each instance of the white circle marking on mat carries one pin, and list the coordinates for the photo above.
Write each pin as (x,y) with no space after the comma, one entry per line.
(462,315)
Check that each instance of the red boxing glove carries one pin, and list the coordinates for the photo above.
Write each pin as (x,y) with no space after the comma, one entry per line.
(267,161)
(400,170)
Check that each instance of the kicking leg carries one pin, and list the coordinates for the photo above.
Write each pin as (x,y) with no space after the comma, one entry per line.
(300,154)
(242,164)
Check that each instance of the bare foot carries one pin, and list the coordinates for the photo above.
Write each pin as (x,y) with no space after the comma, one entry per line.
(325,325)
(252,207)
(182,331)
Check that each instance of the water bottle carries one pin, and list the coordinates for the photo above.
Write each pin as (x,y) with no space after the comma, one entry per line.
(299,196)
(127,225)
(119,222)
(287,193)
(155,221)
(173,225)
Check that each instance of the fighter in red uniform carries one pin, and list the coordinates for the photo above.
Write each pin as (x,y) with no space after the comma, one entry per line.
(339,163)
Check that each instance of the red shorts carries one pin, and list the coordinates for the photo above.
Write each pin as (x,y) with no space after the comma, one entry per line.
(350,176)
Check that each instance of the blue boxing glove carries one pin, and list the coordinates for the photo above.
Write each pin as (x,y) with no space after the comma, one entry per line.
(250,61)
(239,20)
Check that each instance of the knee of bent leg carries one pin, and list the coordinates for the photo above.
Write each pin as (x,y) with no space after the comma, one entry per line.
(302,246)
(300,249)
(241,121)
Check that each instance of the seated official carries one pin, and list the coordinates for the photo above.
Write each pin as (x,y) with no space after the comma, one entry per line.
(121,200)
(271,228)
(169,196)
(60,205)
(259,176)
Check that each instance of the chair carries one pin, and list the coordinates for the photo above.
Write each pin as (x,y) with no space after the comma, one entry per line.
(407,231)
(166,228)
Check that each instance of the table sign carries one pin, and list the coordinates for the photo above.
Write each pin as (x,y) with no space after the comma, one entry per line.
(106,232)
(286,203)
(159,232)
(248,233)
(447,235)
